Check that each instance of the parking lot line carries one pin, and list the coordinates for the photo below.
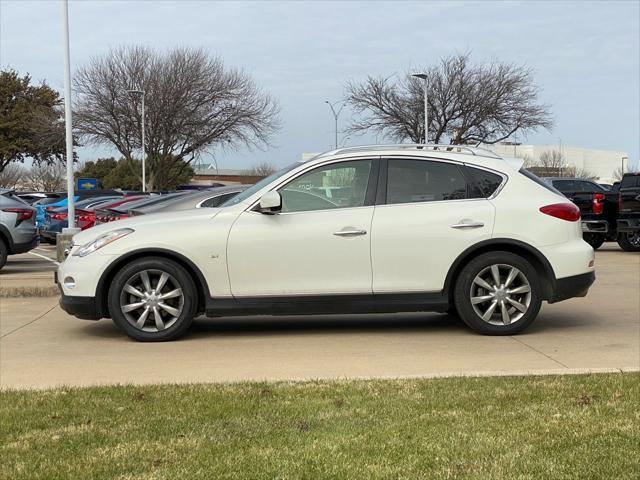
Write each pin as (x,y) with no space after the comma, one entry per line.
(45,257)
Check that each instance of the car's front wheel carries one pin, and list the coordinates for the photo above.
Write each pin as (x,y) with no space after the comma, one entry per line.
(498,293)
(152,299)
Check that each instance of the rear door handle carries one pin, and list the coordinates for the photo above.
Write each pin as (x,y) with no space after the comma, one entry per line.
(350,232)
(467,224)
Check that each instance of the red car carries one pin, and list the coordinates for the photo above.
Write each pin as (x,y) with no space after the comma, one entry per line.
(87,218)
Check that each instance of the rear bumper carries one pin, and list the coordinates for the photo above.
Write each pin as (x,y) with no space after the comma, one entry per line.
(571,287)
(595,226)
(629,225)
(25,246)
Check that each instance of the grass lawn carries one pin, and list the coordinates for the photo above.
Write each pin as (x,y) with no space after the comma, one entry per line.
(582,427)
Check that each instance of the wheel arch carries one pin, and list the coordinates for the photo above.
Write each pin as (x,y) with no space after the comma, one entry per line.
(528,252)
(5,237)
(200,282)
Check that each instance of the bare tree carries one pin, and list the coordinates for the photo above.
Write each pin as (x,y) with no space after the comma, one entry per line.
(262,169)
(467,103)
(551,164)
(192,103)
(46,177)
(12,175)
(582,173)
(617,174)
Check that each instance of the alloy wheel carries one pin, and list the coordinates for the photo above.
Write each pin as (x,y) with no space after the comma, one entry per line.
(152,300)
(500,294)
(634,239)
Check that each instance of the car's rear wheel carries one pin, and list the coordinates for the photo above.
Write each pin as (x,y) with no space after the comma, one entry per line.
(498,293)
(3,253)
(153,299)
(629,242)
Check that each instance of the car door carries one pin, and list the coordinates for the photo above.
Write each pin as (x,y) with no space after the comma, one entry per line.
(427,216)
(318,244)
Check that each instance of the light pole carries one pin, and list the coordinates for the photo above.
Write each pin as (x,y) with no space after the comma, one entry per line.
(71,215)
(425,78)
(623,159)
(144,157)
(335,117)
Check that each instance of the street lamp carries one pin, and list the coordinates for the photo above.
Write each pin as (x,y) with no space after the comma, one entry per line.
(623,159)
(425,78)
(144,180)
(71,213)
(335,116)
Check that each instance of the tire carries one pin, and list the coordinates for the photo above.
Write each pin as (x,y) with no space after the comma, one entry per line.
(175,312)
(481,268)
(594,239)
(3,253)
(629,242)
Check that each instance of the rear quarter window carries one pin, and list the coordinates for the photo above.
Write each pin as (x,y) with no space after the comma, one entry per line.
(539,181)
(487,182)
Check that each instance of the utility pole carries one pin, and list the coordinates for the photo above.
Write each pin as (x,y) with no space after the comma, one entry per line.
(335,117)
(68,126)
(144,156)
(425,79)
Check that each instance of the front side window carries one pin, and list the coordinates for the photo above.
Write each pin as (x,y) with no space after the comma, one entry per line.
(410,181)
(339,185)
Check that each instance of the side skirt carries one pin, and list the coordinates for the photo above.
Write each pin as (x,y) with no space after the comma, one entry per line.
(331,304)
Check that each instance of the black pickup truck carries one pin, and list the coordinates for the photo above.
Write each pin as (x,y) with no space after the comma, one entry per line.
(598,208)
(628,225)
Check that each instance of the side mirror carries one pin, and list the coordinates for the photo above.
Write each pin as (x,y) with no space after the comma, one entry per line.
(270,203)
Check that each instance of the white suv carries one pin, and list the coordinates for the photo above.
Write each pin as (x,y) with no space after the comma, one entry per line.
(358,230)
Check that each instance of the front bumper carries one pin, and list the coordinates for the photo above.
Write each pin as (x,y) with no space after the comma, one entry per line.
(85,308)
(571,287)
(629,225)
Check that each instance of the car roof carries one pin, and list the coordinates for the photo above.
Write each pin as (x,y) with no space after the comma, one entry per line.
(459,153)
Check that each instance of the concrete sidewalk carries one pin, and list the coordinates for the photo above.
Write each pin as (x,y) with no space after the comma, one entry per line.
(43,347)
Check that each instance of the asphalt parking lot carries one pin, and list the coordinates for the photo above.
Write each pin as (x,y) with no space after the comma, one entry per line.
(41,346)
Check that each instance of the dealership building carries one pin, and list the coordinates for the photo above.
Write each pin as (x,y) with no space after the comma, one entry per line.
(602,163)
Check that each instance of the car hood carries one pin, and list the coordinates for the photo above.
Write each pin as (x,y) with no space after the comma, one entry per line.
(170,219)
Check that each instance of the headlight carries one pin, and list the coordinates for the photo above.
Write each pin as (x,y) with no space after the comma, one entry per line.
(101,241)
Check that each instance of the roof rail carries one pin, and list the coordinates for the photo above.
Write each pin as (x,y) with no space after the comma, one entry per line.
(480,152)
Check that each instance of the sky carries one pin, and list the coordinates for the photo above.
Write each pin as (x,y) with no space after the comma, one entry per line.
(585,55)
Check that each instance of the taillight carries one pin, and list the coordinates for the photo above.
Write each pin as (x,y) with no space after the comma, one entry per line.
(58,216)
(596,203)
(563,211)
(21,214)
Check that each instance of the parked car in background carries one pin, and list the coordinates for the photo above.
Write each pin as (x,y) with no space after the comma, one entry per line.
(629,217)
(121,212)
(199,199)
(598,207)
(33,197)
(86,217)
(57,219)
(414,228)
(18,232)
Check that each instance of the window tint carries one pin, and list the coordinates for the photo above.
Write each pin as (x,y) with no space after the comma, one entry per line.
(340,185)
(591,187)
(217,201)
(487,182)
(629,181)
(411,181)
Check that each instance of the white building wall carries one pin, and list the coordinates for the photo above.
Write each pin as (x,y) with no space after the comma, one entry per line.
(602,163)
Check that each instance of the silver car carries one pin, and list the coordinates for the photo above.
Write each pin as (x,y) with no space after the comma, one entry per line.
(18,233)
(213,197)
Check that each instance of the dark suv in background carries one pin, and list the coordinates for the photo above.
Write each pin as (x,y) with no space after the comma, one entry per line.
(628,224)
(18,233)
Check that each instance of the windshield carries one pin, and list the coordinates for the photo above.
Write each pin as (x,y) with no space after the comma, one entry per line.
(257,186)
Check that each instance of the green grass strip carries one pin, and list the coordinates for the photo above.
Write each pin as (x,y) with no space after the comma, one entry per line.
(551,427)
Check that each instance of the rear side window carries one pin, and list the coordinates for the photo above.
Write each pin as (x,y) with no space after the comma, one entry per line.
(410,181)
(486,181)
(629,181)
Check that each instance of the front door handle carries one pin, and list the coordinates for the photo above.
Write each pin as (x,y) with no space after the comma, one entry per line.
(350,232)
(467,224)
